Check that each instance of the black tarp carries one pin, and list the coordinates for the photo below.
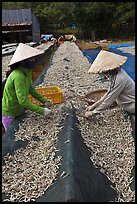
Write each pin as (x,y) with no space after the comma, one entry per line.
(83,182)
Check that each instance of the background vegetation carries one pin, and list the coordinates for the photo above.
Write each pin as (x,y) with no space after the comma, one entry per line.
(86,20)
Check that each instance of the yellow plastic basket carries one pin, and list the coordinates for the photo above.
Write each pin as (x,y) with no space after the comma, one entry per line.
(52,92)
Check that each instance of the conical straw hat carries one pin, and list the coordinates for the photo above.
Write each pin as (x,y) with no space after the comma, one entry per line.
(106,61)
(23,52)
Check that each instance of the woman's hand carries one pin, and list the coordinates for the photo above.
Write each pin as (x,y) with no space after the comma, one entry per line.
(47,112)
(88,114)
(48,103)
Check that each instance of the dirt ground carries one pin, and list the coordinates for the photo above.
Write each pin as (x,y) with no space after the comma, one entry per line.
(92,45)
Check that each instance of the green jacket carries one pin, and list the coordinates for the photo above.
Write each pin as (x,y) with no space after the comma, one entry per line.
(15,96)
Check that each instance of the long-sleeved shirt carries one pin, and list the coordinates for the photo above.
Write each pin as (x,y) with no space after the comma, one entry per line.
(15,96)
(123,92)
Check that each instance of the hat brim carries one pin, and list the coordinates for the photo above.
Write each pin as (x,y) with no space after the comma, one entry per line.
(106,61)
(23,52)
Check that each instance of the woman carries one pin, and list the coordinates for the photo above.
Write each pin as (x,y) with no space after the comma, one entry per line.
(61,39)
(70,38)
(121,88)
(19,85)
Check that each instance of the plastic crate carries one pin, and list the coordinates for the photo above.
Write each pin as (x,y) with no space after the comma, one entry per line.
(52,92)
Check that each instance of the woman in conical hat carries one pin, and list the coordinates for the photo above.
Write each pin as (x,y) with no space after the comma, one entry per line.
(19,85)
(121,88)
(70,38)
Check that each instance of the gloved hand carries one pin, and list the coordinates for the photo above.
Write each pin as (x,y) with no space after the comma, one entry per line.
(48,103)
(47,112)
(88,114)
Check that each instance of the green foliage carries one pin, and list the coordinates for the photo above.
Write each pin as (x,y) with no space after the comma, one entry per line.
(94,20)
(16,5)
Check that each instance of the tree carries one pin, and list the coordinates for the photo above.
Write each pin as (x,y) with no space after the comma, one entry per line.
(95,20)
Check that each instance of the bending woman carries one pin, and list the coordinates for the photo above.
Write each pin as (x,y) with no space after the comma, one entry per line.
(19,85)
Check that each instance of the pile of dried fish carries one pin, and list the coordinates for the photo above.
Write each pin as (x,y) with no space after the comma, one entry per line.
(28,173)
(5,62)
(108,136)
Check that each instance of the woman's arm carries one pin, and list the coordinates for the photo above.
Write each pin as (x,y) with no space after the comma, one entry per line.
(110,96)
(33,92)
(22,96)
(94,105)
